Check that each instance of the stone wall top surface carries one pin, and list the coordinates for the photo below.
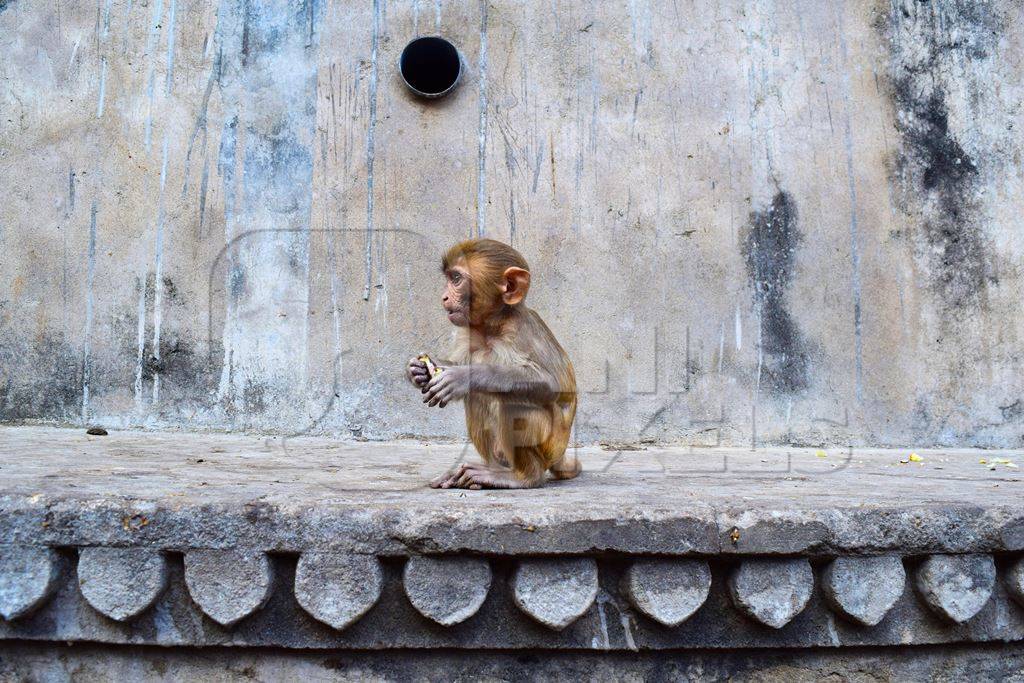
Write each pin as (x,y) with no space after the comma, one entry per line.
(178,491)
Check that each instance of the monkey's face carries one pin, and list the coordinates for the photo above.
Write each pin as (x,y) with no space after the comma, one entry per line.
(457,299)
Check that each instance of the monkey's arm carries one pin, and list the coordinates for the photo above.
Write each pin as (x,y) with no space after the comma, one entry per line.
(458,381)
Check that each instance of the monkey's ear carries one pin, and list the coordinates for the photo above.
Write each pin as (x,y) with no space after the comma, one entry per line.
(515,284)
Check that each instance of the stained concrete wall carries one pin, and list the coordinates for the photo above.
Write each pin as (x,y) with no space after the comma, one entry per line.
(747,221)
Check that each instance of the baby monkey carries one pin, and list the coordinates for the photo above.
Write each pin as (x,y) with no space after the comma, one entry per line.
(514,378)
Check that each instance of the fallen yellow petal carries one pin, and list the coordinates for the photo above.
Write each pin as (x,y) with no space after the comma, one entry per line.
(914,457)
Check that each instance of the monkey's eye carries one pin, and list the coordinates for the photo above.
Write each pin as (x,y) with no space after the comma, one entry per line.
(456,278)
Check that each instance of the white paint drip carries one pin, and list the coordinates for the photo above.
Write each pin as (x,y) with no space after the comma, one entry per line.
(481,184)
(154,32)
(760,355)
(335,306)
(739,329)
(148,130)
(106,20)
(74,52)
(855,292)
(140,341)
(103,87)
(832,632)
(721,346)
(370,129)
(89,279)
(127,22)
(627,629)
(604,643)
(170,47)
(381,301)
(158,272)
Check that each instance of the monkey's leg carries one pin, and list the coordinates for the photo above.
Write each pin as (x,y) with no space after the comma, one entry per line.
(513,451)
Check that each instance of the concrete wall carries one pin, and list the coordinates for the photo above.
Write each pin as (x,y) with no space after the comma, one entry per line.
(747,221)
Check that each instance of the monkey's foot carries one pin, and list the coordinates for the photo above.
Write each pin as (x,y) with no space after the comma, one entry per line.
(478,475)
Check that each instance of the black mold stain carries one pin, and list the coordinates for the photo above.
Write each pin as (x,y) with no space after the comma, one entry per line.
(168,292)
(769,250)
(933,162)
(186,375)
(938,179)
(49,384)
(254,397)
(1012,412)
(236,283)
(177,362)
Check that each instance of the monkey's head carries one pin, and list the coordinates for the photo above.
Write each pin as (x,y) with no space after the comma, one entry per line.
(483,279)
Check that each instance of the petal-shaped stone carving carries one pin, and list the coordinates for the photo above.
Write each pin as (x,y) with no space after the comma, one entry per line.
(772,591)
(228,585)
(555,592)
(121,582)
(956,586)
(337,588)
(448,590)
(28,576)
(1015,581)
(864,589)
(668,591)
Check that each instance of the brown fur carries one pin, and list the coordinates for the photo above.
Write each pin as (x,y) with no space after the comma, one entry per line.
(521,432)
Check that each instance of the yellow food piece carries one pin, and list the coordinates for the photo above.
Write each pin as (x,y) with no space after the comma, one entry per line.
(431,368)
(914,457)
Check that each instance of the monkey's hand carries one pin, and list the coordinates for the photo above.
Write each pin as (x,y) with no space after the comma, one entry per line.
(417,373)
(447,386)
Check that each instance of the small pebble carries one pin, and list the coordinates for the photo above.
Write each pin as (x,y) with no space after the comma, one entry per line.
(96,431)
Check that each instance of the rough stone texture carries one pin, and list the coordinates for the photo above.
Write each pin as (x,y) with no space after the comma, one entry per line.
(62,488)
(772,591)
(1015,581)
(806,212)
(228,585)
(121,583)
(337,589)
(668,591)
(864,588)
(28,576)
(448,590)
(85,663)
(956,586)
(555,592)
(611,623)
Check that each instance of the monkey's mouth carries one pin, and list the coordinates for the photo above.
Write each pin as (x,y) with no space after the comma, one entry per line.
(456,316)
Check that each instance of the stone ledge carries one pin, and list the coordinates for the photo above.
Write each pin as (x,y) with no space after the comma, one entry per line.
(572,603)
(196,540)
(180,491)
